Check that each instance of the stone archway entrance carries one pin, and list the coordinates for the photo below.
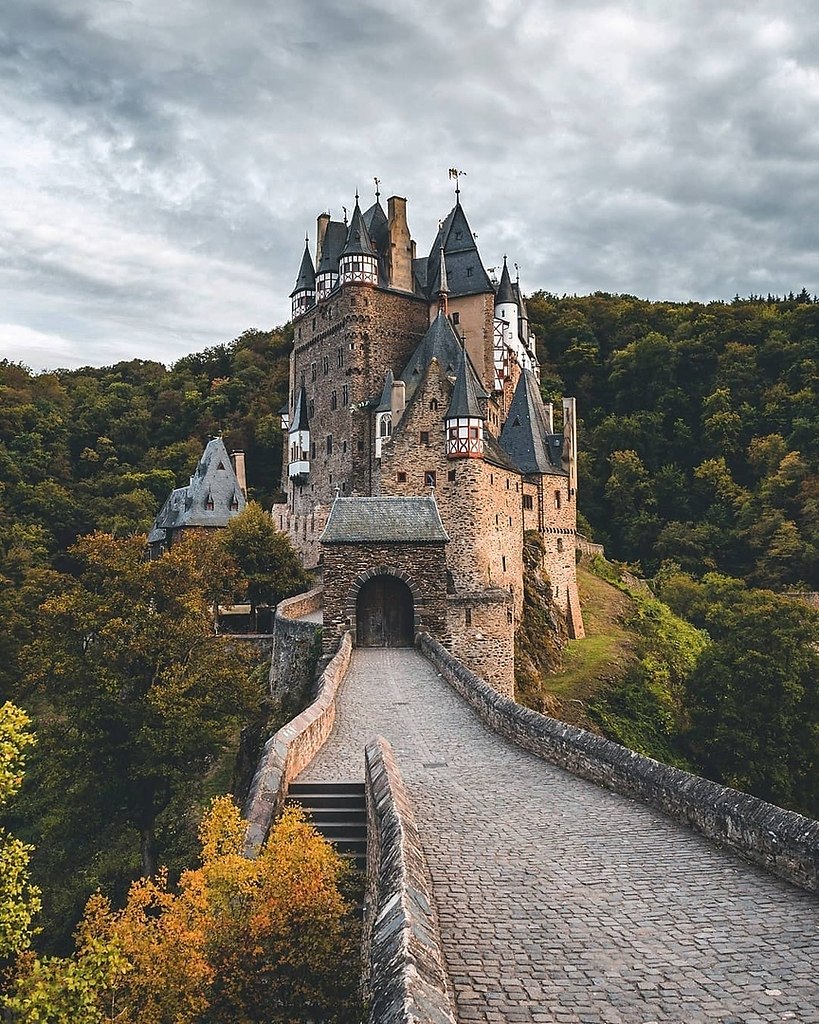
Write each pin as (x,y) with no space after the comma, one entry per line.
(385,613)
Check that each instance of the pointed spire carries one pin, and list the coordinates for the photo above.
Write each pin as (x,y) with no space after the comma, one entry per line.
(464,403)
(385,405)
(306,281)
(358,238)
(300,422)
(505,291)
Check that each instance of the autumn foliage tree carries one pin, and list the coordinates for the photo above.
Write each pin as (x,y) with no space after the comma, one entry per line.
(266,940)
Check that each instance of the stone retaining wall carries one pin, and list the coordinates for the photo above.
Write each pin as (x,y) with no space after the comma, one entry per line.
(291,660)
(783,842)
(404,973)
(291,749)
(586,546)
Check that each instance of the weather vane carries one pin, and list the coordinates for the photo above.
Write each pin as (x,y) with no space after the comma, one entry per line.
(344,208)
(456,174)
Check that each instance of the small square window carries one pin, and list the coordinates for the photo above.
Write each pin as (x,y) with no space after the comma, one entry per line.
(424,437)
(401,478)
(456,319)
(528,502)
(451,476)
(468,617)
(430,478)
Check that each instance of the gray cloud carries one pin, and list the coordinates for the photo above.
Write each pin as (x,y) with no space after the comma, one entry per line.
(162,161)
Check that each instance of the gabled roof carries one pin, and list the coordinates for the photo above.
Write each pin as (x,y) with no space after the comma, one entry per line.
(505,290)
(358,238)
(525,436)
(299,421)
(393,520)
(464,401)
(334,238)
(439,342)
(465,271)
(306,281)
(385,405)
(213,483)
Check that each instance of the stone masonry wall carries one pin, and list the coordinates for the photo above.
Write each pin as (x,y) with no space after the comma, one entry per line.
(405,976)
(785,843)
(481,635)
(293,642)
(347,342)
(304,531)
(347,566)
(480,503)
(291,749)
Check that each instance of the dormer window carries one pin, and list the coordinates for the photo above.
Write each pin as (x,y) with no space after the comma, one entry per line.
(234,505)
(209,503)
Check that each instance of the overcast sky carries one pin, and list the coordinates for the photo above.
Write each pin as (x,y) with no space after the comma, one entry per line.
(162,159)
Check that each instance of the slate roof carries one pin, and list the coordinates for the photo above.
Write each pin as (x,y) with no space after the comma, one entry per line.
(525,436)
(358,238)
(464,270)
(464,401)
(334,239)
(521,301)
(214,480)
(299,421)
(392,520)
(306,281)
(506,292)
(385,405)
(440,342)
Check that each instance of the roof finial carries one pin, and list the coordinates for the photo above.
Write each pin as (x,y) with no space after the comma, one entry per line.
(356,197)
(456,174)
(344,208)
(306,240)
(517,274)
(377,189)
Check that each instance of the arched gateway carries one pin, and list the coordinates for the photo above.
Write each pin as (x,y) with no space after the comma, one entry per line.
(384,613)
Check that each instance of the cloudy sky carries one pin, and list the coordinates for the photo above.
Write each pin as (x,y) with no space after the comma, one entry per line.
(161,160)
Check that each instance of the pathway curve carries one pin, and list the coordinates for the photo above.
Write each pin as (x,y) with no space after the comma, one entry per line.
(560,901)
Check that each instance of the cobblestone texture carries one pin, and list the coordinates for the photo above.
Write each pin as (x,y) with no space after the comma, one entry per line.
(562,902)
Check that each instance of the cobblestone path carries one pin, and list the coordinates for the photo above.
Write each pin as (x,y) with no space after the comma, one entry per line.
(562,902)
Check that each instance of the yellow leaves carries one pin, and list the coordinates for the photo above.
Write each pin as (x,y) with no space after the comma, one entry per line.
(14,738)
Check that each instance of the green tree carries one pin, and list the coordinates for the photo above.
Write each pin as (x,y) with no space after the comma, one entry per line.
(754,696)
(265,557)
(143,693)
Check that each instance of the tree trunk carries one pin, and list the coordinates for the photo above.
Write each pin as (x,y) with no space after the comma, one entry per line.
(148,851)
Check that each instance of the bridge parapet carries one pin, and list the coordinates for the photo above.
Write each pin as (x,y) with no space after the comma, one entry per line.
(405,975)
(783,842)
(291,749)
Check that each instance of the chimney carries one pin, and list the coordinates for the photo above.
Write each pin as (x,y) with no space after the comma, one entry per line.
(401,245)
(238,460)
(322,221)
(398,399)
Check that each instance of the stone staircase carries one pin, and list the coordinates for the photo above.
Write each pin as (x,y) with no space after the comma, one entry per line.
(339,812)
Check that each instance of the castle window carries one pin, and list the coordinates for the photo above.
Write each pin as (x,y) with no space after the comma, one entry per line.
(527,502)
(339,357)
(312,371)
(456,319)
(434,405)
(559,543)
(557,499)
(451,476)
(424,437)
(469,271)
(314,323)
(325,365)
(385,427)
(468,617)
(311,408)
(361,446)
(430,478)
(313,450)
(509,616)
(209,503)
(344,447)
(507,483)
(234,505)
(503,562)
(333,399)
(345,395)
(329,444)
(401,478)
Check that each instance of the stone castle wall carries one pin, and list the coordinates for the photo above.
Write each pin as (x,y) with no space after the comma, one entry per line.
(293,656)
(304,531)
(481,635)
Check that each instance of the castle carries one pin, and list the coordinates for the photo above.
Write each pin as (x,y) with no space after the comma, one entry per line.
(418,450)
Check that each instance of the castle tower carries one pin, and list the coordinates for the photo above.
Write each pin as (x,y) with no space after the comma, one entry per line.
(506,308)
(304,294)
(359,260)
(464,417)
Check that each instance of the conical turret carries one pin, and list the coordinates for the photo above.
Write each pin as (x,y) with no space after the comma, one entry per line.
(358,260)
(464,417)
(304,293)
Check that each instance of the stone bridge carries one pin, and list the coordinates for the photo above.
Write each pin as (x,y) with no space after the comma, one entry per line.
(559,901)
